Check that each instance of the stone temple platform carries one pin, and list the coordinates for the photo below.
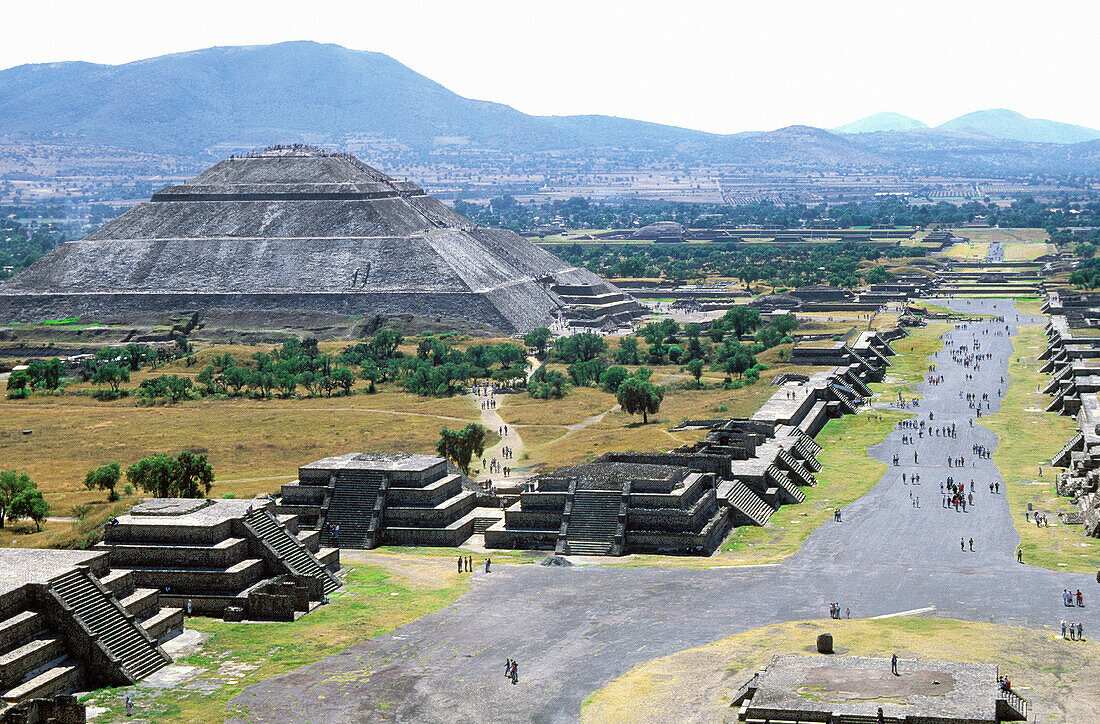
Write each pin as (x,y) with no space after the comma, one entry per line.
(851,689)
(230,558)
(68,621)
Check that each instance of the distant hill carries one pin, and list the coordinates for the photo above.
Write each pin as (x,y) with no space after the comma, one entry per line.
(219,100)
(884,121)
(1010,125)
(256,95)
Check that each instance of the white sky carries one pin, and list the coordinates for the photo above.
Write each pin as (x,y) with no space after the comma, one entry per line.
(717,66)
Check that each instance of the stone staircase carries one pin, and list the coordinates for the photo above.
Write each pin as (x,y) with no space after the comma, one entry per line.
(1062,459)
(807,453)
(33,659)
(795,469)
(847,404)
(353,507)
(117,632)
(290,550)
(780,479)
(748,502)
(593,522)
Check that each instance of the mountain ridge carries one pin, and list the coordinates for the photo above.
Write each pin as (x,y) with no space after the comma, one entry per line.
(214,101)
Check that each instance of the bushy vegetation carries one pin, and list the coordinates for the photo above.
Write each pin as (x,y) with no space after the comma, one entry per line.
(1086,275)
(824,263)
(462,446)
(21,498)
(579,213)
(188,475)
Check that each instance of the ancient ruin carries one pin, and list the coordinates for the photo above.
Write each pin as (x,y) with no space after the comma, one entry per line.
(69,620)
(299,229)
(229,558)
(362,500)
(857,689)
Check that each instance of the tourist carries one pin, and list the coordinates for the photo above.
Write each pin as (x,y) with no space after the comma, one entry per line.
(971,540)
(1019,555)
(129,705)
(894,665)
(487,562)
(1063,628)
(962,544)
(1080,598)
(460,564)
(189,608)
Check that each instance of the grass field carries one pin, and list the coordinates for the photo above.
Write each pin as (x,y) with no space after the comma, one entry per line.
(1027,252)
(697,685)
(1020,235)
(1028,439)
(971,250)
(376,598)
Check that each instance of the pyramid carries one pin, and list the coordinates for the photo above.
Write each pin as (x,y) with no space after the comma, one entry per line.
(300,229)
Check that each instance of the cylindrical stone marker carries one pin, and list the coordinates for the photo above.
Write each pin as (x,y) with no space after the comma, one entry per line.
(825,643)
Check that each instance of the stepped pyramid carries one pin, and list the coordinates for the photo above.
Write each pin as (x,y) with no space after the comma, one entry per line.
(300,229)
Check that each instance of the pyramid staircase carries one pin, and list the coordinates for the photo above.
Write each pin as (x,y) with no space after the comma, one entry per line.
(116,631)
(780,479)
(1075,444)
(742,498)
(795,469)
(357,505)
(594,523)
(288,548)
(806,452)
(847,405)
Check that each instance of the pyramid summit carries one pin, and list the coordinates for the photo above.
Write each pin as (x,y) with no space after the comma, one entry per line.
(295,228)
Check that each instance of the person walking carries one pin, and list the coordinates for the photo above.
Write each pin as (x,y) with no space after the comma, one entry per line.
(487,562)
(894,665)
(461,561)
(1019,555)
(971,545)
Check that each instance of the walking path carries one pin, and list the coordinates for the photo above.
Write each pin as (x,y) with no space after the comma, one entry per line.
(573,630)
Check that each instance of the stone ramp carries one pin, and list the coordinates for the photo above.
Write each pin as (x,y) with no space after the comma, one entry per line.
(289,549)
(136,653)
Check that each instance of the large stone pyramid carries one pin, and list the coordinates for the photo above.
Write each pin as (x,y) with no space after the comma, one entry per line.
(299,229)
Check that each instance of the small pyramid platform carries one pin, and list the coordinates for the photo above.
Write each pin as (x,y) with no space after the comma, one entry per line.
(300,229)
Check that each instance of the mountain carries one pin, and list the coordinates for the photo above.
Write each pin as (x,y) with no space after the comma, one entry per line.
(1010,125)
(884,121)
(187,107)
(299,91)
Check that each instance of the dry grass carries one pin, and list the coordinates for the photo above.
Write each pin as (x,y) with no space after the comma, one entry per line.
(697,685)
(1027,252)
(1020,235)
(970,250)
(254,446)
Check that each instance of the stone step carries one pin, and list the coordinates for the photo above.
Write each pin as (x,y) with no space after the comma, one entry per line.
(17,663)
(62,677)
(164,623)
(20,627)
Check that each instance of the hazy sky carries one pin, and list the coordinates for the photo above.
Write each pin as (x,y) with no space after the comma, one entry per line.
(716,66)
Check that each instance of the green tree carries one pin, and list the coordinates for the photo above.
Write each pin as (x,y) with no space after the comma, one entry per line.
(154,474)
(12,484)
(637,396)
(627,354)
(580,347)
(538,338)
(17,383)
(111,374)
(695,367)
(104,478)
(371,373)
(193,475)
(344,379)
(613,377)
(30,504)
(461,446)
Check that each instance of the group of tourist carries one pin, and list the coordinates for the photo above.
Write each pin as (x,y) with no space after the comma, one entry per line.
(1041,521)
(1068,598)
(1073,631)
(466,564)
(511,670)
(834,611)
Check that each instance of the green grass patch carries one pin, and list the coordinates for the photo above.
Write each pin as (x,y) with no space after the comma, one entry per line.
(1028,439)
(372,601)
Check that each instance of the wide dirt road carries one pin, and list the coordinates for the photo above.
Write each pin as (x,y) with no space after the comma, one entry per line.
(572,630)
